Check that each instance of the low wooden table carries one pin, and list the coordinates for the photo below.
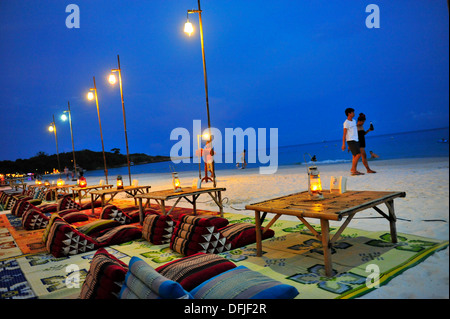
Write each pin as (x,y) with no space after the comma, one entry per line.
(334,206)
(161,196)
(63,188)
(131,190)
(79,190)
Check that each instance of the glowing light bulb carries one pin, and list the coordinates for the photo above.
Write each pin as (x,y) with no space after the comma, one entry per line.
(90,96)
(64,117)
(188,28)
(51,128)
(112,79)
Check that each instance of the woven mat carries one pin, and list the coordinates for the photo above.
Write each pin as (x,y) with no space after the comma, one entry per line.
(293,256)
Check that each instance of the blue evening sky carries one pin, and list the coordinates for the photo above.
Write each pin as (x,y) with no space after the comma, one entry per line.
(287,64)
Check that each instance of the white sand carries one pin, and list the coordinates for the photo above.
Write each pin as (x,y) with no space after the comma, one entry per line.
(425,181)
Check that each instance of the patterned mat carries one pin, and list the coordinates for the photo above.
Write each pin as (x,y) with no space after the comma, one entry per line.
(293,256)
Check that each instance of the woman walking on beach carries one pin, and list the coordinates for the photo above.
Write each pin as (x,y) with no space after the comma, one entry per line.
(362,140)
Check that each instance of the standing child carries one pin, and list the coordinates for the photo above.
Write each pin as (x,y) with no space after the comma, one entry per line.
(351,137)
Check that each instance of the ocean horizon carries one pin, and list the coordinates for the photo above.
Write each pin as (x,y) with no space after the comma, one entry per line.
(413,144)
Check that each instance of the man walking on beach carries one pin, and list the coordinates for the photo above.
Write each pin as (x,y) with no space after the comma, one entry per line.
(351,137)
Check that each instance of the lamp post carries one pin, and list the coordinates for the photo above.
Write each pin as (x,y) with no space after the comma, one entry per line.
(64,118)
(91,96)
(112,80)
(189,29)
(52,128)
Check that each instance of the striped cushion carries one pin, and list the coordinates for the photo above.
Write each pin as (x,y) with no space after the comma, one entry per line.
(105,277)
(158,229)
(143,282)
(67,202)
(243,283)
(243,234)
(192,270)
(195,234)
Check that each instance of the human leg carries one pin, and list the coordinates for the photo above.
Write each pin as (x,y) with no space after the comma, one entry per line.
(364,160)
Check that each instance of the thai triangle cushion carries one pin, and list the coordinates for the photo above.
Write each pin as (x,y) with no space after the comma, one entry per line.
(158,229)
(105,277)
(243,234)
(68,203)
(195,234)
(143,282)
(192,270)
(243,283)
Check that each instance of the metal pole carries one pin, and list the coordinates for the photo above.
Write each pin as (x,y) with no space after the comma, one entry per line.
(101,134)
(71,133)
(206,86)
(124,119)
(56,140)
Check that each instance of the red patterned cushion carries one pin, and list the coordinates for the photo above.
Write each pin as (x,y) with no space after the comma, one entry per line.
(192,270)
(115,213)
(105,277)
(34,219)
(158,229)
(67,202)
(243,234)
(195,234)
(64,240)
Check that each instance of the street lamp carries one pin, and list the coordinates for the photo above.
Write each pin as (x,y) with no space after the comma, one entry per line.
(112,79)
(91,95)
(64,118)
(189,29)
(52,128)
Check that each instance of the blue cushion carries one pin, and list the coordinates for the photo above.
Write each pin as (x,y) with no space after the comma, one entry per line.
(243,283)
(143,282)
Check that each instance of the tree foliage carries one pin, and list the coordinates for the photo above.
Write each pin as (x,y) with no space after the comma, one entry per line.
(89,160)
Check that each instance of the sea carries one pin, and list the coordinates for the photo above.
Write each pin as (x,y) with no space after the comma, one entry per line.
(414,144)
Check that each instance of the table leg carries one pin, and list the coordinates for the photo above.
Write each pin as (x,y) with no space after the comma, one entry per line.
(163,207)
(92,204)
(141,212)
(326,246)
(219,195)
(392,220)
(258,233)
(194,204)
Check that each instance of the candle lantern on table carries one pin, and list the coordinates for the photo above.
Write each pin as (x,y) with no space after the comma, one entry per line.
(60,182)
(82,181)
(314,183)
(119,182)
(47,183)
(176,182)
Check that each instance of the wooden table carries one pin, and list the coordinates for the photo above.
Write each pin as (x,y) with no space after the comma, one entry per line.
(162,196)
(334,207)
(131,190)
(79,190)
(64,189)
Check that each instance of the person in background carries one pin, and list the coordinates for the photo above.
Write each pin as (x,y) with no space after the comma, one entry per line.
(351,137)
(66,172)
(244,162)
(362,140)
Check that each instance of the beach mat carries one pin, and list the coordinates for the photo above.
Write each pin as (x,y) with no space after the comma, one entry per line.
(294,256)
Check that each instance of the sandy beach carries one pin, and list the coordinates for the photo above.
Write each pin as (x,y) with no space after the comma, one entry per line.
(424,211)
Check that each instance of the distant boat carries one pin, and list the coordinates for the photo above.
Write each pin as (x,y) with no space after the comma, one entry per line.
(443,140)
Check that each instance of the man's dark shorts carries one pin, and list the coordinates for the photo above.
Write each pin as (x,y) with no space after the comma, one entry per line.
(354,147)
